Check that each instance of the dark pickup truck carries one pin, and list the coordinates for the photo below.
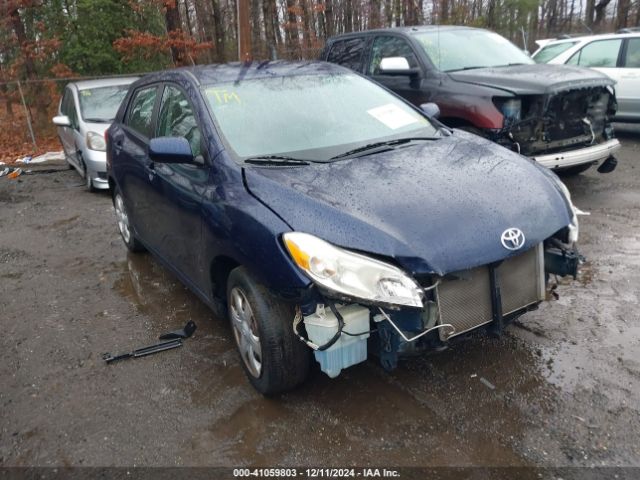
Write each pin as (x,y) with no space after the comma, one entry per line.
(558,115)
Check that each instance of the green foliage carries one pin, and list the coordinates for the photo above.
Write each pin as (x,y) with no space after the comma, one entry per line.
(93,26)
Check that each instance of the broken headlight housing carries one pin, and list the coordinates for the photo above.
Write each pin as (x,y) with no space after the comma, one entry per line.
(351,274)
(511,109)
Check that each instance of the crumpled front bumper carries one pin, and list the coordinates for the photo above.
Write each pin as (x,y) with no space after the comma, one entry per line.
(581,156)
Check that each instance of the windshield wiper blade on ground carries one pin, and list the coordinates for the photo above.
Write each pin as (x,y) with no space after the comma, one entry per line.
(276,160)
(388,143)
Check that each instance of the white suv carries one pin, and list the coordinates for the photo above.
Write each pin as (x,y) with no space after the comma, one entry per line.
(616,55)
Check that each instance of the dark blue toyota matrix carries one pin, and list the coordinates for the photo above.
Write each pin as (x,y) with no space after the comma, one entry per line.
(329,217)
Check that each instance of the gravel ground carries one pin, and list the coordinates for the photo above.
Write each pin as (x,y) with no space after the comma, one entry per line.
(559,388)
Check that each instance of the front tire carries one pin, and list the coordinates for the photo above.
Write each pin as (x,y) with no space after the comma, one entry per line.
(273,359)
(124,225)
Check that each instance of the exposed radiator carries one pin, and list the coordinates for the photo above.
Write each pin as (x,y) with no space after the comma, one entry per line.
(464,300)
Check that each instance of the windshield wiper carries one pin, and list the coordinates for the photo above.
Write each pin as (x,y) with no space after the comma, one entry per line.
(99,120)
(388,143)
(467,68)
(276,160)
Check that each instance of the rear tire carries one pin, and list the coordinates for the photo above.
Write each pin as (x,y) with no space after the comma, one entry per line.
(273,359)
(124,225)
(571,171)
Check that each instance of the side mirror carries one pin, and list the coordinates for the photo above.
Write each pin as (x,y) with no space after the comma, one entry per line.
(170,150)
(61,121)
(430,109)
(397,66)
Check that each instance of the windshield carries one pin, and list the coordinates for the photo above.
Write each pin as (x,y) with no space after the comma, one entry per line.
(311,117)
(101,104)
(451,50)
(550,52)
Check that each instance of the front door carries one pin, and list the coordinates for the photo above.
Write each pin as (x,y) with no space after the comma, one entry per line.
(179,189)
(391,46)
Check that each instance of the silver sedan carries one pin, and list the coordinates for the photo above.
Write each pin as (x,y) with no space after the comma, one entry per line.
(86,110)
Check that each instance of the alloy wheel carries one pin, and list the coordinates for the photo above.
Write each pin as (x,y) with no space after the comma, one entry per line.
(122,218)
(245,331)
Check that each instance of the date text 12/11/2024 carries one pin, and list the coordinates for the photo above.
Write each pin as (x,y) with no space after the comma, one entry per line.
(316,472)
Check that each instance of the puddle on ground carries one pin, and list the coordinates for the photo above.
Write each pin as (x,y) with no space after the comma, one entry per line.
(155,292)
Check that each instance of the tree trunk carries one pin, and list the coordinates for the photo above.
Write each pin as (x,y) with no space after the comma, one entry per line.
(172,22)
(218,31)
(601,11)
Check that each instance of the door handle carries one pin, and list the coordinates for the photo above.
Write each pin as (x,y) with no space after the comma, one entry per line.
(117,145)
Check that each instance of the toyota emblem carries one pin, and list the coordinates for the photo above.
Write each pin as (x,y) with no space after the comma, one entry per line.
(512,239)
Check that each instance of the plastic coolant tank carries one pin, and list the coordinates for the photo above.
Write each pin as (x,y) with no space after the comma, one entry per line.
(348,350)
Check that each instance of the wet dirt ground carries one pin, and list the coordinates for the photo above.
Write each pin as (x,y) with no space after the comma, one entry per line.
(560,388)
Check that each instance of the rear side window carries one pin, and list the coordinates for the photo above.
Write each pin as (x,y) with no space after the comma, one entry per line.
(550,52)
(602,54)
(347,53)
(140,111)
(632,57)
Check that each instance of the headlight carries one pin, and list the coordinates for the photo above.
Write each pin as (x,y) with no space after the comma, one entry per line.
(352,274)
(95,141)
(511,109)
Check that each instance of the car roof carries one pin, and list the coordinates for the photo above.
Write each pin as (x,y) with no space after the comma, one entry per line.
(407,30)
(103,82)
(237,71)
(602,36)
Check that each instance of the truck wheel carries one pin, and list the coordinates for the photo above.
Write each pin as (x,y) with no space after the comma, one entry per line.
(273,359)
(124,226)
(571,171)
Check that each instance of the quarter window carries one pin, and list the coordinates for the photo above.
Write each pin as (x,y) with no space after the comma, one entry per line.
(141,111)
(347,53)
(176,119)
(384,47)
(603,53)
(632,57)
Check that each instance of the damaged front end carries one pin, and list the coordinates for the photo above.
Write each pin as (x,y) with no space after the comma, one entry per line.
(562,129)
(343,330)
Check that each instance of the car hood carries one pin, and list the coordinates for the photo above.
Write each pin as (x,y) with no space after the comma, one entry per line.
(533,79)
(436,207)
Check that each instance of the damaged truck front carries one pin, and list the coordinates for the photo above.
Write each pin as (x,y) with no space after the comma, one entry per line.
(558,115)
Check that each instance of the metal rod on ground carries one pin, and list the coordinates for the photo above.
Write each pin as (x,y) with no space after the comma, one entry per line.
(26,112)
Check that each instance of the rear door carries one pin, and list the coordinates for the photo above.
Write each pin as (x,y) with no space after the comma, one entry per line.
(628,88)
(177,189)
(132,168)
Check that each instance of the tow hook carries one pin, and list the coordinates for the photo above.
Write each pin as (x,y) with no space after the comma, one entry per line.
(609,165)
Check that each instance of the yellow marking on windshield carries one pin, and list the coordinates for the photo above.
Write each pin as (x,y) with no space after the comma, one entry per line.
(223,96)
